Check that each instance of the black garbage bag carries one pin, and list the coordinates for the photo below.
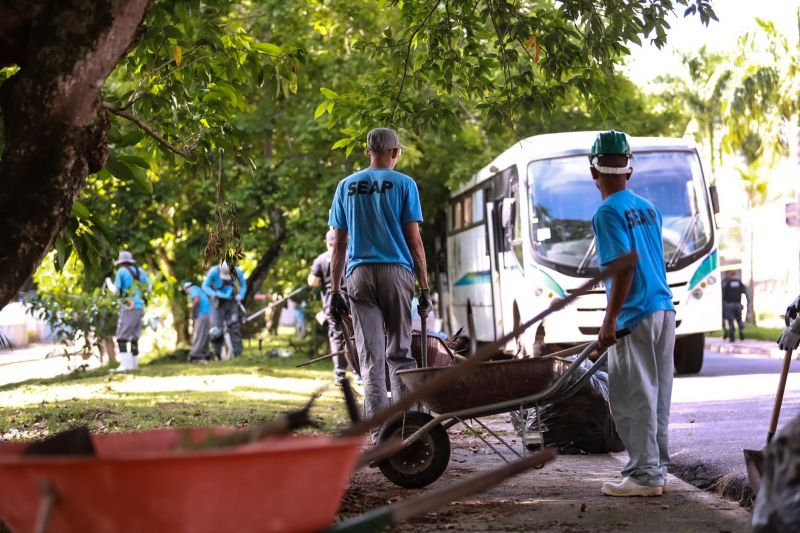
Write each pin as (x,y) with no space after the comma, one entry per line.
(581,424)
(777,506)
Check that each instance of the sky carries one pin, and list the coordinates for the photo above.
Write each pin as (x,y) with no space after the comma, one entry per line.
(687,34)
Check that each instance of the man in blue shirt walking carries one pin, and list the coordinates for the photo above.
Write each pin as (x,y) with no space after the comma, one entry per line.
(132,284)
(640,365)
(201,314)
(376,214)
(226,295)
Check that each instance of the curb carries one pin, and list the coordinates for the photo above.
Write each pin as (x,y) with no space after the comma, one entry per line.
(760,348)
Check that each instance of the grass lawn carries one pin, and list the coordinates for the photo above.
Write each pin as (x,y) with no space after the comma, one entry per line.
(755,332)
(167,391)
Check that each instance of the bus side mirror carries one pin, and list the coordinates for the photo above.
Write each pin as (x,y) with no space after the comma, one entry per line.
(507,215)
(712,192)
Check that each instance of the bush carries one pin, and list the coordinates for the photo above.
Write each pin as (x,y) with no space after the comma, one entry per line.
(79,321)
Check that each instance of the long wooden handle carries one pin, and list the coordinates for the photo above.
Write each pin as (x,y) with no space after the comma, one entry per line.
(320,358)
(432,500)
(454,373)
(776,409)
(383,517)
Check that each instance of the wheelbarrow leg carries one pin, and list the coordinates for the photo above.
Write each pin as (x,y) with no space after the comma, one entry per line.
(533,441)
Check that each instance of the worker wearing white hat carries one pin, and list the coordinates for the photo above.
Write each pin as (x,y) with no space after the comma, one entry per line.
(226,293)
(131,284)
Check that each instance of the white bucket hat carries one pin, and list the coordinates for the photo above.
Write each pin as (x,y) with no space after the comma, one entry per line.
(124,257)
(224,271)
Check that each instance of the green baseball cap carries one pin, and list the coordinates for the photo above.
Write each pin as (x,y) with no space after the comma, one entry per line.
(610,142)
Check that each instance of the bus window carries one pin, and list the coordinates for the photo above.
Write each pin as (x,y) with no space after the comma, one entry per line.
(467,211)
(457,215)
(564,199)
(477,206)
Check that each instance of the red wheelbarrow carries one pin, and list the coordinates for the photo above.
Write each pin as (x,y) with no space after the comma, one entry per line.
(148,482)
(140,482)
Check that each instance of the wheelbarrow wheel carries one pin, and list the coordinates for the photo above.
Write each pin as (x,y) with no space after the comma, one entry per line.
(421,463)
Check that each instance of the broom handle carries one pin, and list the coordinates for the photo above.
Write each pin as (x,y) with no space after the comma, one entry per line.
(776,409)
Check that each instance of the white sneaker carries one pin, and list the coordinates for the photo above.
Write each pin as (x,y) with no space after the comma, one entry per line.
(134,362)
(629,487)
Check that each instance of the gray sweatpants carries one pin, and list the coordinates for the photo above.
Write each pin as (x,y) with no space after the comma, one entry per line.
(227,312)
(200,336)
(336,341)
(640,370)
(380,302)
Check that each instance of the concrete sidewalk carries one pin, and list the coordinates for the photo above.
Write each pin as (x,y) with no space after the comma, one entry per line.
(564,496)
(39,361)
(747,347)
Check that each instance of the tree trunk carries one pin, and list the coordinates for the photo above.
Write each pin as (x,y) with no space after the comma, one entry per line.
(750,316)
(177,300)
(269,258)
(54,125)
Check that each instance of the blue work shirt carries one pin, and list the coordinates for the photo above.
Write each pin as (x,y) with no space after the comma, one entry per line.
(215,287)
(130,286)
(625,222)
(373,205)
(204,306)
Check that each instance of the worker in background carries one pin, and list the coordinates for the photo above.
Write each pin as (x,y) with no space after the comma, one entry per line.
(226,294)
(790,337)
(201,322)
(732,291)
(640,365)
(320,276)
(132,285)
(376,215)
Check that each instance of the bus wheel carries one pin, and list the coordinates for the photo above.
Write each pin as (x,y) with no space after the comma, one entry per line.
(689,353)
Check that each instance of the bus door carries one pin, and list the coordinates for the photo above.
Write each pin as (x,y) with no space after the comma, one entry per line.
(510,253)
(506,248)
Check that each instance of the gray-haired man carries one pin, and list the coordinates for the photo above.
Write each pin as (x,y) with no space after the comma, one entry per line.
(379,210)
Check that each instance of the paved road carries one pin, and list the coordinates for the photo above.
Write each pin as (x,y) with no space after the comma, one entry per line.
(723,410)
(38,361)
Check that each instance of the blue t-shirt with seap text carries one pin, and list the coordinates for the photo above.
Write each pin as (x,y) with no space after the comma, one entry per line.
(373,205)
(625,222)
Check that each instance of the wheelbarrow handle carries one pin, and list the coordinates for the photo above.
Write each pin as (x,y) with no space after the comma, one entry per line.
(455,373)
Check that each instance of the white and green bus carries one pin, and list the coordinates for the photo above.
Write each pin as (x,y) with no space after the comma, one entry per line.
(519,234)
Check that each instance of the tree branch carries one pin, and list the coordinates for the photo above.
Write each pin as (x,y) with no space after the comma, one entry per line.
(408,54)
(147,129)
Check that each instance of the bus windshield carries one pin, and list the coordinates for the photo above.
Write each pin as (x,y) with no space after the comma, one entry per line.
(564,199)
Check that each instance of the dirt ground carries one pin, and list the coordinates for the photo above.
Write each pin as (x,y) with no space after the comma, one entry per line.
(564,496)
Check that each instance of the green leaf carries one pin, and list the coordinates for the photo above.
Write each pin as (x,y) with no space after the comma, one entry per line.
(349,149)
(268,48)
(134,160)
(80,211)
(320,110)
(131,174)
(342,142)
(330,95)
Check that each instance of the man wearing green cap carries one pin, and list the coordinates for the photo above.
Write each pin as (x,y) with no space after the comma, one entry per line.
(640,365)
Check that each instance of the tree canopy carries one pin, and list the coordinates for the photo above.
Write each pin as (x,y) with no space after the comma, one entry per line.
(229,123)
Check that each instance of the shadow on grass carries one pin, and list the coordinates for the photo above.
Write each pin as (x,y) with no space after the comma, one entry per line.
(108,401)
(174,364)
